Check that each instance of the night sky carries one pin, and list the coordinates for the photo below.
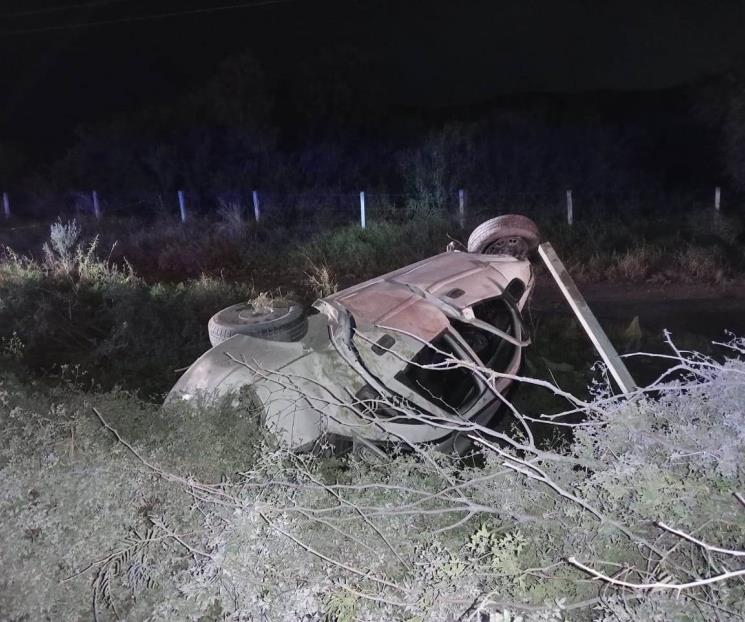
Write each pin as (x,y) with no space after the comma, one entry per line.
(61,68)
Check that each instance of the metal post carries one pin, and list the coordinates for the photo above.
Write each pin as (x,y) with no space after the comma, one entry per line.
(570,208)
(362,209)
(462,208)
(586,318)
(96,207)
(717,198)
(6,205)
(182,205)
(257,208)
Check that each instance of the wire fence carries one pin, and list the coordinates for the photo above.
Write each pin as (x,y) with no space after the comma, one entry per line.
(323,210)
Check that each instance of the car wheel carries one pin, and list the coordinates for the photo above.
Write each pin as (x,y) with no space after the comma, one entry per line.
(511,234)
(277,321)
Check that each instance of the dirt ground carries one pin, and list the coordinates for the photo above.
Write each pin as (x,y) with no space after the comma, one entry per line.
(707,310)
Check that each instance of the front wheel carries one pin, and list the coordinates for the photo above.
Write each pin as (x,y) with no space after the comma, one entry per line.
(511,234)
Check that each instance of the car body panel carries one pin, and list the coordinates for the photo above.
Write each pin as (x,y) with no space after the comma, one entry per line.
(390,304)
(395,299)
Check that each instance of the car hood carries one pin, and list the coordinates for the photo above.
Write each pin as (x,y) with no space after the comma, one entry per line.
(410,300)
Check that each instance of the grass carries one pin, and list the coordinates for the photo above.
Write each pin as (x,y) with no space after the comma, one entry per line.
(130,300)
(75,309)
(693,247)
(81,328)
(191,532)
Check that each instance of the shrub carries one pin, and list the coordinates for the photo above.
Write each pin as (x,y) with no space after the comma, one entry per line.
(351,252)
(702,265)
(81,310)
(449,540)
(414,535)
(636,264)
(79,514)
(231,219)
(62,246)
(320,280)
(198,514)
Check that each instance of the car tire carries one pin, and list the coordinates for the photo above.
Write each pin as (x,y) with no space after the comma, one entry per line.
(511,234)
(282,321)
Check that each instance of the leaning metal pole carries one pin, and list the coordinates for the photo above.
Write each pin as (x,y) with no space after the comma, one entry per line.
(586,317)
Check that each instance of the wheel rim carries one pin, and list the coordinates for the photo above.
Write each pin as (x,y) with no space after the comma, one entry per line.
(259,315)
(513,245)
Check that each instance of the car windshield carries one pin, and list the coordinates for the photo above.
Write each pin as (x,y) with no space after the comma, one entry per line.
(433,375)
(492,350)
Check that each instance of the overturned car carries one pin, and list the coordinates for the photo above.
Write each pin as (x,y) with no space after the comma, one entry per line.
(392,359)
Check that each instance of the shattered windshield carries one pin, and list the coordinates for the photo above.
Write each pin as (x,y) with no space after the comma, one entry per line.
(433,375)
(492,350)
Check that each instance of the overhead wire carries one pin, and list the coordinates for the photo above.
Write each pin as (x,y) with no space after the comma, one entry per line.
(143,18)
(59,9)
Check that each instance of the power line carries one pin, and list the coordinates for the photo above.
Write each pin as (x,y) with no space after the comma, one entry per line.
(144,18)
(59,9)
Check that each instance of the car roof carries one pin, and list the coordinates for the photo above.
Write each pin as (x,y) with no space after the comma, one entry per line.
(405,300)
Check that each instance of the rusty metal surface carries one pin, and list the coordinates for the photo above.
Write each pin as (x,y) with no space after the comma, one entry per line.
(390,304)
(458,279)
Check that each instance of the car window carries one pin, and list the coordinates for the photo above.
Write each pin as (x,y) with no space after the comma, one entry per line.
(430,375)
(493,351)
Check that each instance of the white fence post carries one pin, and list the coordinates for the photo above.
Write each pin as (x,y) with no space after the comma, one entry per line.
(257,207)
(96,206)
(462,208)
(717,198)
(6,205)
(182,205)
(362,209)
(570,208)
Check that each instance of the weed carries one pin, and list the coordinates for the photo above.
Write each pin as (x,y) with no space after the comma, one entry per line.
(231,217)
(636,264)
(320,280)
(204,534)
(701,264)
(76,308)
(62,247)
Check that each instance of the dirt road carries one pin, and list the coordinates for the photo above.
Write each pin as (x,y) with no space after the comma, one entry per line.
(706,310)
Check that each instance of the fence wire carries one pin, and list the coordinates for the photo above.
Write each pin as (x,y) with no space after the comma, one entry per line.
(323,210)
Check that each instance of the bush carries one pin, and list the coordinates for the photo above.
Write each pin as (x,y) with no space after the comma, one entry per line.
(199,514)
(415,535)
(77,309)
(352,253)
(78,512)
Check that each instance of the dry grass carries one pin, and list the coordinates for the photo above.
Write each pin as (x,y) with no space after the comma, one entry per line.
(701,264)
(269,256)
(320,280)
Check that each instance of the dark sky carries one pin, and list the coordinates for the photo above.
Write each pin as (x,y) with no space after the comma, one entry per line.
(55,74)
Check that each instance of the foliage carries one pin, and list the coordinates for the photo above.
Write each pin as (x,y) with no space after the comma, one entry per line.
(231,218)
(198,513)
(76,308)
(257,532)
(331,128)
(320,280)
(80,304)
(81,519)
(351,252)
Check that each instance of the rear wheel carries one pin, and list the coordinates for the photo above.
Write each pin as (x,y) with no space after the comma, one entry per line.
(275,321)
(511,234)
